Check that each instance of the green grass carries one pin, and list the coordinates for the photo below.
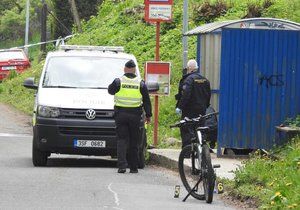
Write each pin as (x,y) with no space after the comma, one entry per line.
(274,184)
(12,90)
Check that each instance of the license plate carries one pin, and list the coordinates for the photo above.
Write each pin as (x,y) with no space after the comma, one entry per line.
(89,143)
(9,67)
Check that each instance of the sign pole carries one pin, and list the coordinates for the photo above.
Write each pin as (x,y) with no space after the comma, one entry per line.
(157,41)
(185,29)
(156,106)
(157,11)
(27,26)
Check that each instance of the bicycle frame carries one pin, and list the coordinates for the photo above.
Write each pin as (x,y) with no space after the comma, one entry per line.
(198,144)
(200,140)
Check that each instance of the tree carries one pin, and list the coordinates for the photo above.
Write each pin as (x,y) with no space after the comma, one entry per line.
(75,14)
(12,18)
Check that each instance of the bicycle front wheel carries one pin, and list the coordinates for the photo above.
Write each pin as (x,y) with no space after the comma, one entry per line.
(208,174)
(190,172)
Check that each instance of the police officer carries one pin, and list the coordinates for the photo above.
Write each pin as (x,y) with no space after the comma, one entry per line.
(193,98)
(131,98)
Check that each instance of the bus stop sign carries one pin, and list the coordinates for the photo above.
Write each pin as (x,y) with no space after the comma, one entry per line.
(159,72)
(158,10)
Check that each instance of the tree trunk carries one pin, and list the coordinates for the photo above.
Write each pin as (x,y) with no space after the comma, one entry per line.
(75,14)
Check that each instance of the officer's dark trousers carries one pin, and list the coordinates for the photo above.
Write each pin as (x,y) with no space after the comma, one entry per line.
(187,132)
(128,132)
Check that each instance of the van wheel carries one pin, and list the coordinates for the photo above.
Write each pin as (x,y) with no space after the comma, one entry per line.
(142,151)
(39,158)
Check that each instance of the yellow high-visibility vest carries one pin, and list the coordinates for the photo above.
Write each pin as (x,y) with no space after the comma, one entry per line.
(129,94)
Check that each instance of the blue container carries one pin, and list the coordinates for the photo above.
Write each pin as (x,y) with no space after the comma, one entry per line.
(259,85)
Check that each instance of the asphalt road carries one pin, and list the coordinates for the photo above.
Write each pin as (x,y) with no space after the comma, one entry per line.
(76,182)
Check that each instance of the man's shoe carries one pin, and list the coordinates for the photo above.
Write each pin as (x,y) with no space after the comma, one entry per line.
(134,171)
(121,170)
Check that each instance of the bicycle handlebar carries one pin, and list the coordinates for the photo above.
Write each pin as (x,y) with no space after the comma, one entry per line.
(193,120)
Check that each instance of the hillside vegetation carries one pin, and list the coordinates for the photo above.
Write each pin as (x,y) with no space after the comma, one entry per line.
(12,21)
(120,22)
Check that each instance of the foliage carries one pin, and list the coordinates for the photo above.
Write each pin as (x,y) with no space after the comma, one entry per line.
(285,9)
(208,11)
(274,183)
(6,5)
(293,122)
(12,18)
(13,92)
(256,10)
(62,11)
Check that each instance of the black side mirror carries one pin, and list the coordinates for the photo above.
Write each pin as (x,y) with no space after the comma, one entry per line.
(29,83)
(152,87)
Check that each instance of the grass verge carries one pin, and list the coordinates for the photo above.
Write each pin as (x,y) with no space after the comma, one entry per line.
(12,91)
(269,183)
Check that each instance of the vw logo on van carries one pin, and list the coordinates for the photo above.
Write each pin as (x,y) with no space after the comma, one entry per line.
(90,114)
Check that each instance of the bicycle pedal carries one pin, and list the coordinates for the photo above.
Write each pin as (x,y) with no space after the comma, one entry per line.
(217,166)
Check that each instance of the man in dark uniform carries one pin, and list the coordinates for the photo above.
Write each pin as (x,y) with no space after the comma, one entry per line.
(131,98)
(193,98)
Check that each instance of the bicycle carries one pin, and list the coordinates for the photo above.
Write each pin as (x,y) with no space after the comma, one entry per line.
(195,161)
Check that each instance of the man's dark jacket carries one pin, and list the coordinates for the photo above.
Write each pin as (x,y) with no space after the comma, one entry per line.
(194,93)
(114,87)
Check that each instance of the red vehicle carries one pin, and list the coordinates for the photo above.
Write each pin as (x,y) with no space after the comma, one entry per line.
(12,59)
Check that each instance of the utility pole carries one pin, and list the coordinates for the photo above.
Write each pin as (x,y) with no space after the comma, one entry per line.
(75,14)
(185,29)
(27,26)
(44,26)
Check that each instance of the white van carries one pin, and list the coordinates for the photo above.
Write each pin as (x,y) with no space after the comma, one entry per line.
(73,112)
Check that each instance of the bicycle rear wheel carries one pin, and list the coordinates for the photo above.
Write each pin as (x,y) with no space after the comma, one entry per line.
(190,171)
(208,174)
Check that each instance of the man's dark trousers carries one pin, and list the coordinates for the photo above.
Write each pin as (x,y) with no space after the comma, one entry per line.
(128,133)
(187,132)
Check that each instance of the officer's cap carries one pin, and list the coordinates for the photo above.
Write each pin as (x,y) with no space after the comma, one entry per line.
(130,64)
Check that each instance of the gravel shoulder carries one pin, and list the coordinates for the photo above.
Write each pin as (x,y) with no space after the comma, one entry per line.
(14,121)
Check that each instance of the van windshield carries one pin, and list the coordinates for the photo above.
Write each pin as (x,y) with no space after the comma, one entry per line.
(82,72)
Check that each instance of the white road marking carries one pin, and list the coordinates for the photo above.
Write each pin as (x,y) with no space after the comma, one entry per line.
(117,201)
(117,208)
(14,135)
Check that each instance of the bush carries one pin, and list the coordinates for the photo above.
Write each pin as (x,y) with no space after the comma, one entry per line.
(207,12)
(293,122)
(256,10)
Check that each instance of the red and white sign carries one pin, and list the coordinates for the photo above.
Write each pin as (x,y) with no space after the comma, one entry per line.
(159,72)
(158,10)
